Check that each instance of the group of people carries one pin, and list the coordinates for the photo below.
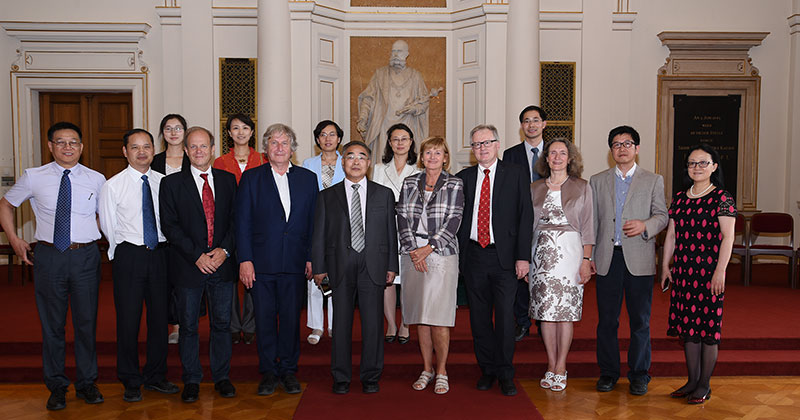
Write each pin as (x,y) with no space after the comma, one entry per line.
(525,233)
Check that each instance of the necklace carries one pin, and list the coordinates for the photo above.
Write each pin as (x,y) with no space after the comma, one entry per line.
(695,195)
(559,184)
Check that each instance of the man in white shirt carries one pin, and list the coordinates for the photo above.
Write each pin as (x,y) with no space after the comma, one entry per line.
(66,273)
(137,249)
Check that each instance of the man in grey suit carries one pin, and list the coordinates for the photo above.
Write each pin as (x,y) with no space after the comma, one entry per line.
(629,212)
(355,245)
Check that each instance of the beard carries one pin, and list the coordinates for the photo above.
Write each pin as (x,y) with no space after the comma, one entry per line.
(397,62)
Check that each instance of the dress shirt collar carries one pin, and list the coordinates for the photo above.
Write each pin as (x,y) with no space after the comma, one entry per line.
(75,170)
(135,174)
(538,146)
(492,168)
(288,169)
(348,185)
(197,172)
(626,175)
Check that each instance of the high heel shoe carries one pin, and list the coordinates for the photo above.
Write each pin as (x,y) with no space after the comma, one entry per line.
(680,394)
(390,338)
(700,400)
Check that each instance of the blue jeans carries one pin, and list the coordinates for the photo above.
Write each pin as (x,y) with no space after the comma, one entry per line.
(219,293)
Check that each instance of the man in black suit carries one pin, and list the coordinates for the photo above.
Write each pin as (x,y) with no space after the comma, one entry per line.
(355,246)
(495,240)
(197,219)
(532,121)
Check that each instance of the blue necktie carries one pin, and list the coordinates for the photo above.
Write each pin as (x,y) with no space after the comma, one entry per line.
(61,224)
(534,174)
(148,216)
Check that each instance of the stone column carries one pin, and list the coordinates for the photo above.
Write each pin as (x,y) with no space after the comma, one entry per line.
(793,132)
(523,74)
(197,40)
(274,65)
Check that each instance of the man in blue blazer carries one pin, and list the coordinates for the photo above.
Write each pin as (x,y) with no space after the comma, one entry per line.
(532,121)
(274,222)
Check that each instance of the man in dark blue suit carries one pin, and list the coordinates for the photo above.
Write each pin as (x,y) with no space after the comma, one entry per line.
(532,121)
(274,223)
(196,218)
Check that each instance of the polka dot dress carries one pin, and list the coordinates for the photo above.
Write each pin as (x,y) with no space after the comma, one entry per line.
(695,314)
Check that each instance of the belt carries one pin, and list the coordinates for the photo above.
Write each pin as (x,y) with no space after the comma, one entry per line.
(478,244)
(71,246)
(159,246)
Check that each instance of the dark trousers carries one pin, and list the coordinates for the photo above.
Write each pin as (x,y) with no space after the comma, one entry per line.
(638,292)
(356,283)
(278,298)
(491,289)
(61,280)
(218,291)
(242,315)
(522,304)
(140,276)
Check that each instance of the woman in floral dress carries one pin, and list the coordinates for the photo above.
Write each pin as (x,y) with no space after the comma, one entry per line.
(698,243)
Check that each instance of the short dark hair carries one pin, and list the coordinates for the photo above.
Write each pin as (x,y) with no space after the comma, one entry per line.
(63,125)
(716,176)
(192,130)
(354,143)
(321,126)
(623,129)
(542,114)
(241,117)
(168,117)
(128,135)
(388,152)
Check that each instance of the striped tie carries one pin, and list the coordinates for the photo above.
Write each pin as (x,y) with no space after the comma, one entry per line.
(356,224)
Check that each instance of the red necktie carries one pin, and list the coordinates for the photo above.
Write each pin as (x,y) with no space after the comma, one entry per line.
(208,208)
(483,210)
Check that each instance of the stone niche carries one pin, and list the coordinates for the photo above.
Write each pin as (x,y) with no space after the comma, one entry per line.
(702,69)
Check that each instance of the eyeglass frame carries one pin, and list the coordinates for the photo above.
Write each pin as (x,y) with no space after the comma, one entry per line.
(702,164)
(482,144)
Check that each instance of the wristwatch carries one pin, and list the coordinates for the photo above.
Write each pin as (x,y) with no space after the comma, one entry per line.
(588,259)
(433,247)
(227,254)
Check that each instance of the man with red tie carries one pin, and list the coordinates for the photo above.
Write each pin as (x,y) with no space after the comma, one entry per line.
(495,242)
(197,219)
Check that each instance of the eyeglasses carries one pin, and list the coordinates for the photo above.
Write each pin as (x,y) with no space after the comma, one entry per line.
(626,144)
(177,129)
(62,144)
(356,157)
(703,164)
(480,144)
(400,139)
(326,135)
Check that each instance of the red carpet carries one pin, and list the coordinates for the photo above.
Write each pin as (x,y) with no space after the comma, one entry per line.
(396,400)
(759,338)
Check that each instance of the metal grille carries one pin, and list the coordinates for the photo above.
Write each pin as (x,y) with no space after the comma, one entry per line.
(237,94)
(558,99)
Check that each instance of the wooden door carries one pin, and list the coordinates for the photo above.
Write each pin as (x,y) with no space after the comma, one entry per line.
(103,119)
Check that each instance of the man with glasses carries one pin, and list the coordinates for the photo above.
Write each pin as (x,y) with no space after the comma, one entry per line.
(495,243)
(274,220)
(196,211)
(532,122)
(355,246)
(629,212)
(66,268)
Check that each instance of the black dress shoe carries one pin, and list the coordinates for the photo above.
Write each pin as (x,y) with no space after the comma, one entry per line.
(605,383)
(370,387)
(235,338)
(248,338)
(521,332)
(90,394)
(341,387)
(190,393)
(638,388)
(132,394)
(403,340)
(225,388)
(267,384)
(485,382)
(507,387)
(290,384)
(163,386)
(57,400)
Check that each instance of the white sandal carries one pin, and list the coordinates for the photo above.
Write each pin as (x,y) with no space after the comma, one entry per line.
(547,381)
(424,379)
(314,337)
(442,385)
(559,382)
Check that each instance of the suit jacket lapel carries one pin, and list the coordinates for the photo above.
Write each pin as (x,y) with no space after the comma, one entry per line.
(191,186)
(274,187)
(499,178)
(634,185)
(469,188)
(342,199)
(292,203)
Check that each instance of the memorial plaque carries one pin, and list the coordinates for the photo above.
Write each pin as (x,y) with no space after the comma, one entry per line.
(713,120)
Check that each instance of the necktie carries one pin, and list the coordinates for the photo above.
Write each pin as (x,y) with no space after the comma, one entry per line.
(534,174)
(148,216)
(356,224)
(208,208)
(483,210)
(61,224)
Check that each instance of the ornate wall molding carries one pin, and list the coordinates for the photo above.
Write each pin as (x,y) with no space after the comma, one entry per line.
(706,53)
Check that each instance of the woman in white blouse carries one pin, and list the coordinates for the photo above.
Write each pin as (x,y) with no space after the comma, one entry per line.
(399,158)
